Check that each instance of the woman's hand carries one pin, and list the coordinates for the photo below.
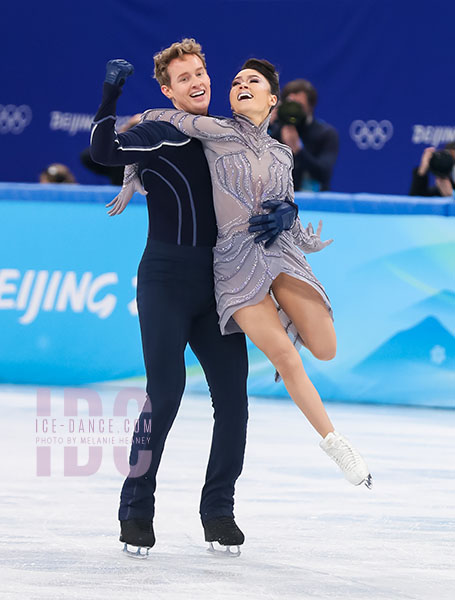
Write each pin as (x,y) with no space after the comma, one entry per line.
(131,184)
(119,203)
(313,241)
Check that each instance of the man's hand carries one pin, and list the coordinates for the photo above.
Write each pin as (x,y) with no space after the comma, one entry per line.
(281,217)
(425,160)
(117,70)
(290,136)
(444,186)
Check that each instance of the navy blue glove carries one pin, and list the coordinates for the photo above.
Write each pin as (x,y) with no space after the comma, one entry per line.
(117,71)
(281,216)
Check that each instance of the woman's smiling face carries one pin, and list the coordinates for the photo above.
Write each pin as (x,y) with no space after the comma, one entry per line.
(251,96)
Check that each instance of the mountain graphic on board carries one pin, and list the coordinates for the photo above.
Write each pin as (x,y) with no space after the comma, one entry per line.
(427,343)
(445,299)
(440,305)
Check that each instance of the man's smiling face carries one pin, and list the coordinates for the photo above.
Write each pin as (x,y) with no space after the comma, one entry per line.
(189,87)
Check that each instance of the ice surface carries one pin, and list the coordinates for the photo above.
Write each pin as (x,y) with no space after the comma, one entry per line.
(309,533)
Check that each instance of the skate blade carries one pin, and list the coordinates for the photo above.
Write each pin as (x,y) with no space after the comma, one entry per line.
(141,553)
(225,553)
(369,481)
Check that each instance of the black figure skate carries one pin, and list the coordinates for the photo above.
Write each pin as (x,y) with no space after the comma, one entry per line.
(224,531)
(138,533)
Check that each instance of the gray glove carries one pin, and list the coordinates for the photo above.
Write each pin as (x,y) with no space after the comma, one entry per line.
(310,241)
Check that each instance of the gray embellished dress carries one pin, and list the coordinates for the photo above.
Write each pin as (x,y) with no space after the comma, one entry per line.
(247,168)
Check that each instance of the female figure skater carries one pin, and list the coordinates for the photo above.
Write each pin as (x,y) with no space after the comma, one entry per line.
(270,293)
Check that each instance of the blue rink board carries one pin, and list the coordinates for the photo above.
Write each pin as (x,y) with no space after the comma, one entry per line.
(324,201)
(67,294)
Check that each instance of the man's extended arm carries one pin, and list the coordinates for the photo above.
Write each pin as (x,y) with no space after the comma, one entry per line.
(111,148)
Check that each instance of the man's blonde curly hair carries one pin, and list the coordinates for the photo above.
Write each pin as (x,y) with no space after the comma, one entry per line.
(177,50)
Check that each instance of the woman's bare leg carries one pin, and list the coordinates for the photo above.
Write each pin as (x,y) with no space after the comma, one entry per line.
(307,310)
(263,326)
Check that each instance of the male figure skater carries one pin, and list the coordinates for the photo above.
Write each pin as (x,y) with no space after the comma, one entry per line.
(175,295)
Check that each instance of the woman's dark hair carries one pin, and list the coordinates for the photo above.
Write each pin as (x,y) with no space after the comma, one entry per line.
(267,70)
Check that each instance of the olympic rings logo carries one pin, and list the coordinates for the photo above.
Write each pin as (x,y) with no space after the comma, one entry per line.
(371,134)
(14,119)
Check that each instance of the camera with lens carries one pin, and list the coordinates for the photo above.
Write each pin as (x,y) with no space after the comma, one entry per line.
(291,113)
(442,163)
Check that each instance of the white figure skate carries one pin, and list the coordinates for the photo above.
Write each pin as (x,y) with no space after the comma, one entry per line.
(347,458)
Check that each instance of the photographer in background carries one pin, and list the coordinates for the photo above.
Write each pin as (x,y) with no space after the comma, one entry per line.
(314,143)
(441,164)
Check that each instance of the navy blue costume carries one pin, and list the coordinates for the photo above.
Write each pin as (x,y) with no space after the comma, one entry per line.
(176,305)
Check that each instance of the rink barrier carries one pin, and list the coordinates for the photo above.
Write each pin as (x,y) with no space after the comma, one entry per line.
(323,201)
(68,314)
